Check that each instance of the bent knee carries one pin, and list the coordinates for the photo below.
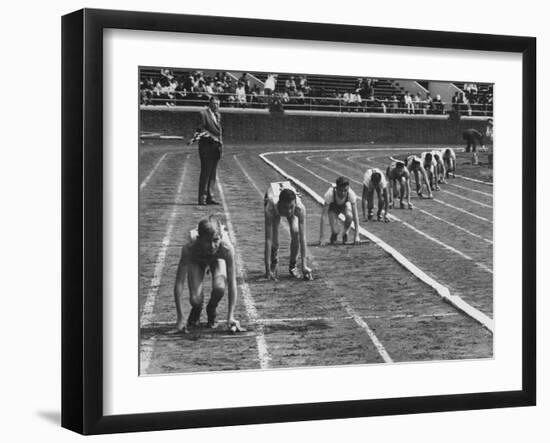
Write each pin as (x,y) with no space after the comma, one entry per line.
(196,299)
(219,284)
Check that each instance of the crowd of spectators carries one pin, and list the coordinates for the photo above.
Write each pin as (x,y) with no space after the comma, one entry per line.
(195,88)
(472,102)
(406,103)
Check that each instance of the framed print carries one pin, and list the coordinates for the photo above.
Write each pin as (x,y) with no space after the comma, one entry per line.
(273,221)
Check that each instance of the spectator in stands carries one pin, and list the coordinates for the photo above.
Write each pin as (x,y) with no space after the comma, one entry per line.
(180,93)
(369,87)
(417,103)
(200,90)
(303,85)
(290,85)
(409,106)
(240,95)
(230,93)
(147,87)
(346,100)
(244,80)
(210,88)
(438,104)
(299,97)
(465,107)
(166,74)
(383,104)
(470,87)
(394,104)
(455,103)
(255,94)
(270,84)
(486,104)
(355,101)
(428,104)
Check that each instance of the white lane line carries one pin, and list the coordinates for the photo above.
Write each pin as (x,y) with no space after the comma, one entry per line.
(444,245)
(149,304)
(474,180)
(484,205)
(146,349)
(482,266)
(442,290)
(370,160)
(378,164)
(486,240)
(456,208)
(308,170)
(144,183)
(268,321)
(468,189)
(347,307)
(418,231)
(261,344)
(421,210)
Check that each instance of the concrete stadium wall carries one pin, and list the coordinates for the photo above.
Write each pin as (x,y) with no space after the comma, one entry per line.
(245,126)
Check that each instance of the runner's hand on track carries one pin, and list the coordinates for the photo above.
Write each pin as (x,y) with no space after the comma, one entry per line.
(179,328)
(306,273)
(234,326)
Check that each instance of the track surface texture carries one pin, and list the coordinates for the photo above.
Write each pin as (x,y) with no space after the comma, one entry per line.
(363,306)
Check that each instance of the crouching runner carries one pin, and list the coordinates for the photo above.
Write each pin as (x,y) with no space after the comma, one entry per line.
(208,246)
(375,180)
(398,173)
(339,199)
(282,200)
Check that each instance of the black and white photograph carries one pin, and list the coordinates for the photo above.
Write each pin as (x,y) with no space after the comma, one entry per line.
(275,221)
(298,220)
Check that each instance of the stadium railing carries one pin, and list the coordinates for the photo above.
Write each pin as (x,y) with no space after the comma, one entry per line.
(306,103)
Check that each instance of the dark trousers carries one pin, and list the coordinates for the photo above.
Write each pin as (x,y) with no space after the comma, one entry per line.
(209,154)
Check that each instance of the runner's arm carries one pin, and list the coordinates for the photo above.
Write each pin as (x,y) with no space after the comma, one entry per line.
(324,214)
(268,240)
(364,199)
(232,294)
(179,286)
(303,240)
(355,213)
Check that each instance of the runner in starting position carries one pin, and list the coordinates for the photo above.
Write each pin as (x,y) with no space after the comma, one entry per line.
(414,165)
(449,159)
(375,180)
(440,171)
(281,200)
(208,246)
(339,199)
(397,172)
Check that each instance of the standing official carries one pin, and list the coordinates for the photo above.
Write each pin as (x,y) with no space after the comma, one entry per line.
(210,150)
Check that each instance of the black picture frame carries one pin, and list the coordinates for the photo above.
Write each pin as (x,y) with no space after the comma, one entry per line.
(82,218)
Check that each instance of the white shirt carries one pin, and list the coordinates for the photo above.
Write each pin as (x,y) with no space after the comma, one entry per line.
(367,179)
(330,196)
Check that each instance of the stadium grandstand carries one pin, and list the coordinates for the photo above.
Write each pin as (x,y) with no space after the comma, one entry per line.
(308,92)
